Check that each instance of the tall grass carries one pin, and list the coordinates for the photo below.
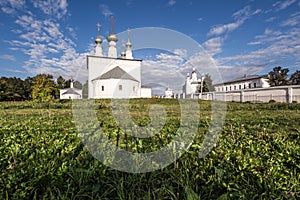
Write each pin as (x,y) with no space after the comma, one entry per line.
(256,157)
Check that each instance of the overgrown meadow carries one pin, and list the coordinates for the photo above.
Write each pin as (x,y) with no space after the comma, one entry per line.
(257,155)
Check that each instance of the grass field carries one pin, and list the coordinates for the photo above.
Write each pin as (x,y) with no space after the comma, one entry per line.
(257,155)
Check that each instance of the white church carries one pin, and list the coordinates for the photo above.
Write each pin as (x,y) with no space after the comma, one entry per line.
(113,76)
(70,93)
(192,85)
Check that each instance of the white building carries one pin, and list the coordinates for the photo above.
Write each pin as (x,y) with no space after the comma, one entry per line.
(112,76)
(146,92)
(168,93)
(192,85)
(242,83)
(70,93)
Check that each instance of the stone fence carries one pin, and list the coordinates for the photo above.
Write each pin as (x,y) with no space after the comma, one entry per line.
(289,94)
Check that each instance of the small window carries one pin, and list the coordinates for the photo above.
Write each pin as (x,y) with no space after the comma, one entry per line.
(240,87)
(230,88)
(226,88)
(244,86)
(254,85)
(234,87)
(102,87)
(249,85)
(120,87)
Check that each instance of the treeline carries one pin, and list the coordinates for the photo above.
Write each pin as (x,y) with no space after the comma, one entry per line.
(42,87)
(279,77)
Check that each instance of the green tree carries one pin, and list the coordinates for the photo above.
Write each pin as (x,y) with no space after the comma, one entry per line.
(61,82)
(207,84)
(295,78)
(77,85)
(12,89)
(3,89)
(278,76)
(28,83)
(43,89)
(68,83)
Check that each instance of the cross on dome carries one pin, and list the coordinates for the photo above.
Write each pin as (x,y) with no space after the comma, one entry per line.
(98,25)
(128,41)
(112,36)
(112,21)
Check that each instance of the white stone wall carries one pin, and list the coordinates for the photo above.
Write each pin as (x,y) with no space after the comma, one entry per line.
(146,92)
(116,88)
(279,94)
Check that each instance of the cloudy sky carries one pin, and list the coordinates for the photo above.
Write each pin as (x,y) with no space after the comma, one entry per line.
(239,36)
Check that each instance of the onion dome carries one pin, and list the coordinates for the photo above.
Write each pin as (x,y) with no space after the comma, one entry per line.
(98,40)
(128,44)
(123,54)
(112,37)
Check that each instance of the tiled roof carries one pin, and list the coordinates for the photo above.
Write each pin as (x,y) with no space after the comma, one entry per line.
(244,78)
(70,91)
(116,73)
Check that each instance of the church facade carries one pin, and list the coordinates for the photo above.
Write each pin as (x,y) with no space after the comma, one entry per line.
(113,76)
(192,85)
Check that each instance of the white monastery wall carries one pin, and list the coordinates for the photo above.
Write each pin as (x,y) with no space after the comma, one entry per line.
(279,94)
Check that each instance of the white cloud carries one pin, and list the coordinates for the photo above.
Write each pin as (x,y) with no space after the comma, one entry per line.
(292,21)
(169,70)
(242,13)
(181,52)
(281,5)
(11,6)
(232,72)
(240,17)
(213,46)
(46,44)
(48,49)
(220,29)
(105,10)
(165,71)
(57,8)
(271,19)
(277,47)
(8,57)
(171,2)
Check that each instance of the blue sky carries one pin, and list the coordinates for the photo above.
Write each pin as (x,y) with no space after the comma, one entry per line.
(242,37)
